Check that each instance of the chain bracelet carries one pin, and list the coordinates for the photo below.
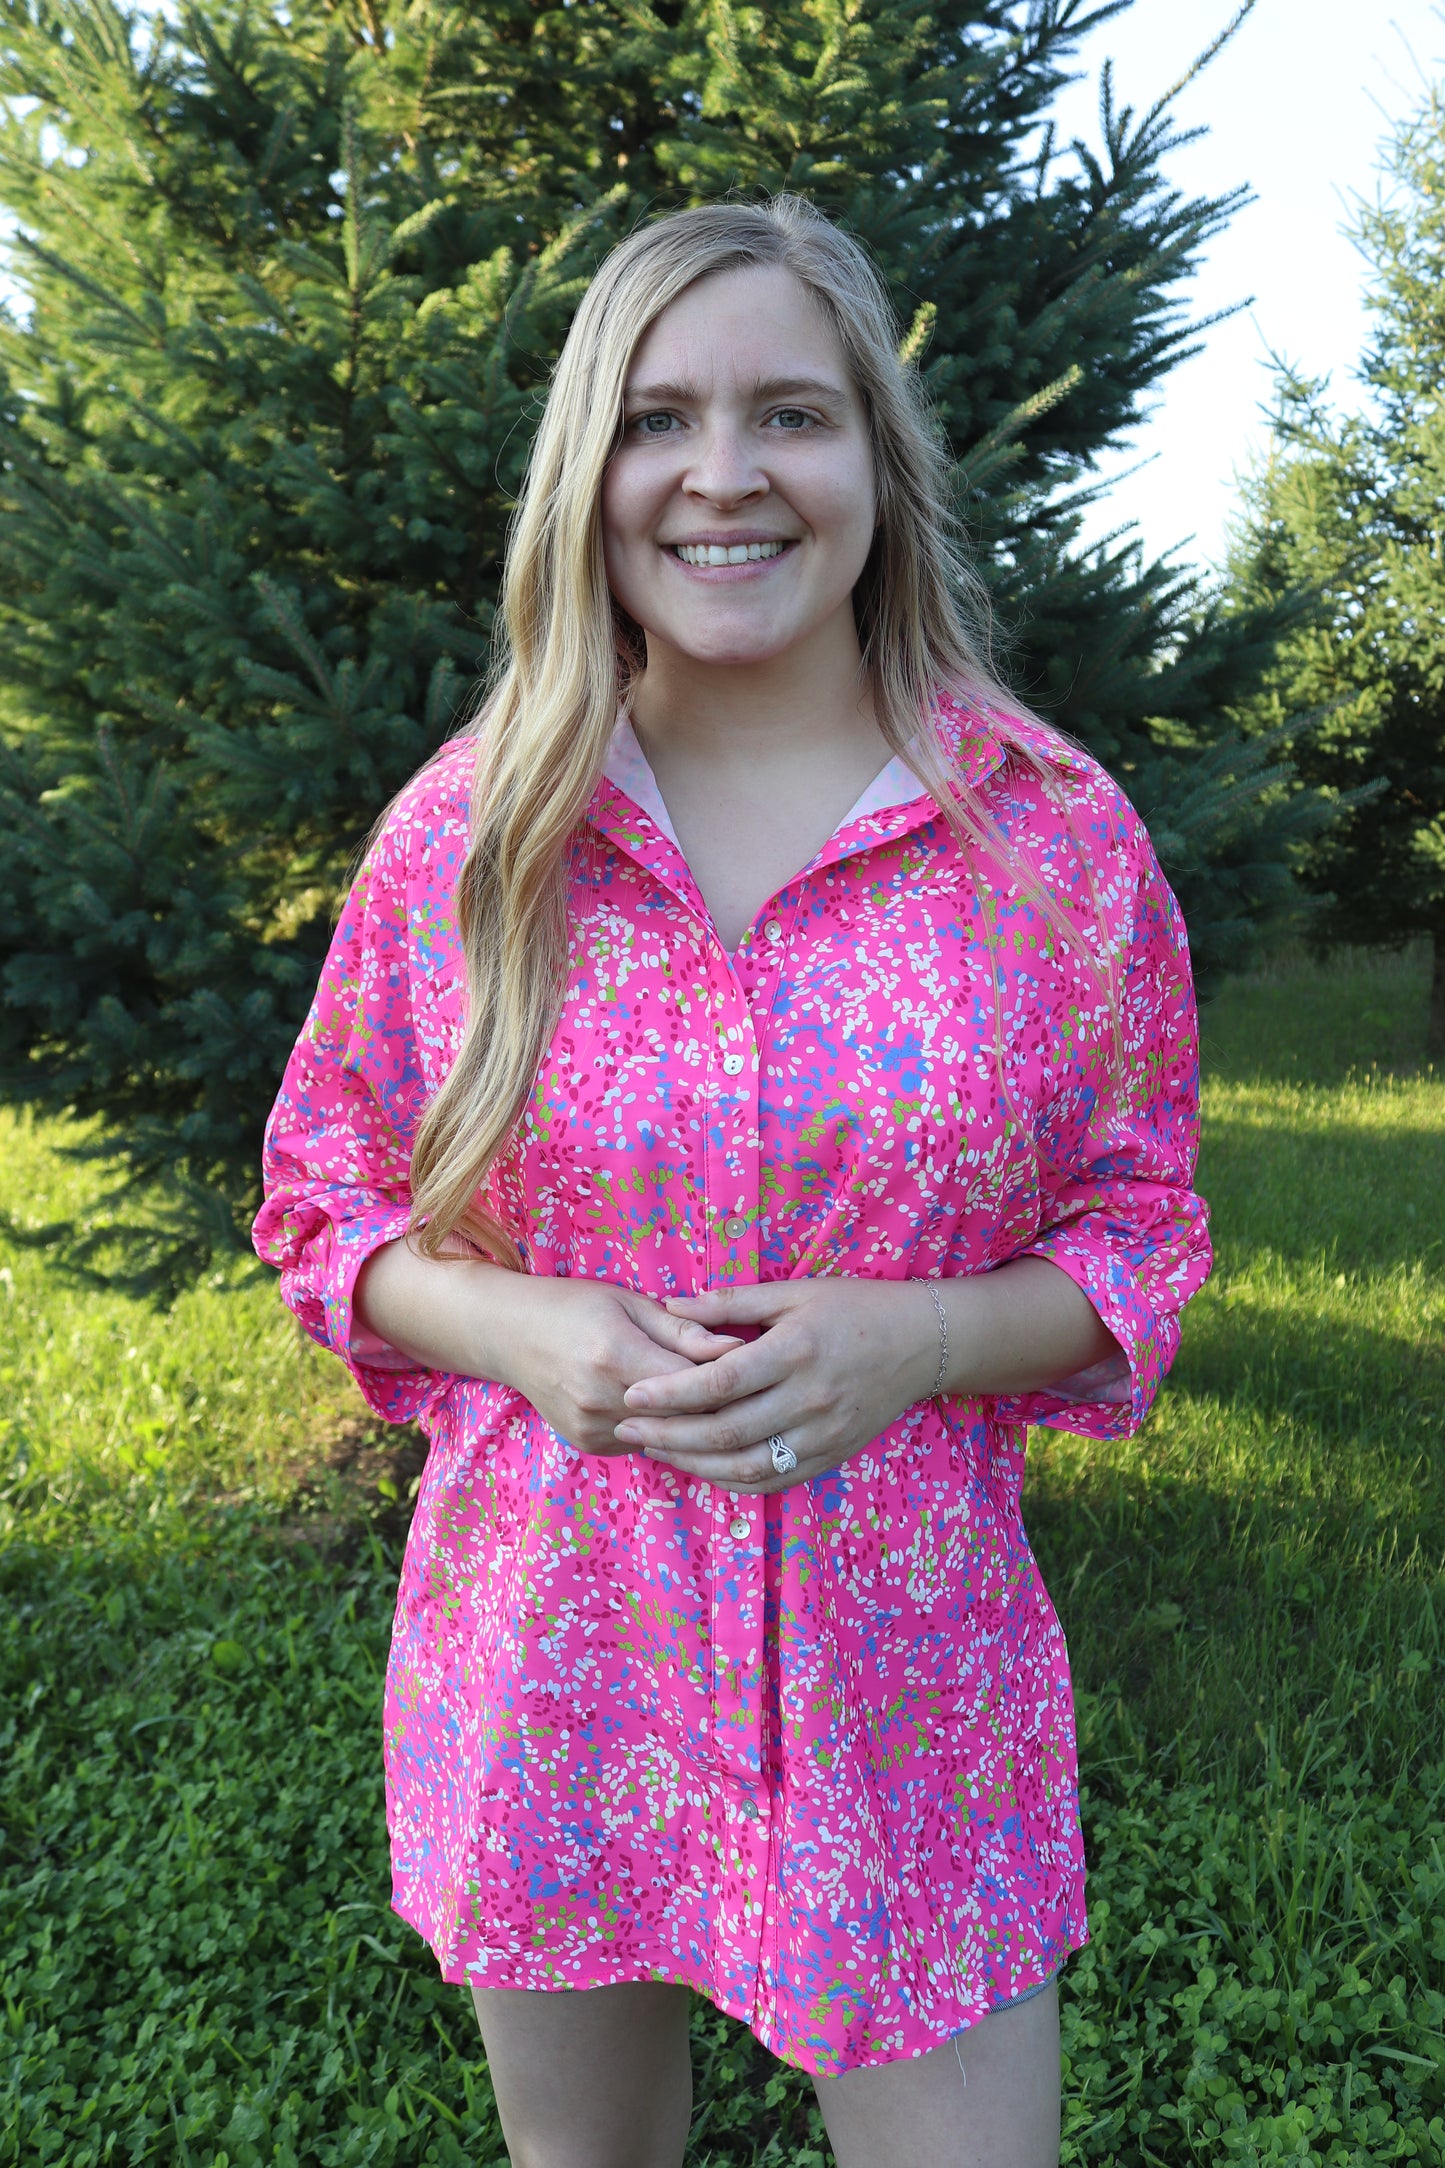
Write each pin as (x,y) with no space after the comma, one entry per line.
(937,1385)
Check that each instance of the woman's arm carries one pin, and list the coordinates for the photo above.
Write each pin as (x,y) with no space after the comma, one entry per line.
(1077,1330)
(456,1313)
(1024,1326)
(336,1168)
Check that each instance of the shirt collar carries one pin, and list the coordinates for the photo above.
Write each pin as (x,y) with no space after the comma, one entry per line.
(627,807)
(626,766)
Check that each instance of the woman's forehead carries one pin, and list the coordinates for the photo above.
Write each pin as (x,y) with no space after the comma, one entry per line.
(751,329)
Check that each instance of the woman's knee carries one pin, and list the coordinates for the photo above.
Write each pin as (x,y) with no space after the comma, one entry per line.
(987,2099)
(590,2077)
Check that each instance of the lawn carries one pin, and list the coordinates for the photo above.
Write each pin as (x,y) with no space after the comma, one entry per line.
(197,1559)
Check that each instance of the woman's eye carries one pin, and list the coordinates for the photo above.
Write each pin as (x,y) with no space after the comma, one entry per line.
(654,425)
(792,418)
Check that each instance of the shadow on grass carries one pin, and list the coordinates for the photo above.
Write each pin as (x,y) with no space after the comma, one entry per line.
(1360,1387)
(1326,1190)
(1303,1020)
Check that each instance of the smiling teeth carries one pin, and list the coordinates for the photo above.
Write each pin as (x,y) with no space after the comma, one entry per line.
(740,553)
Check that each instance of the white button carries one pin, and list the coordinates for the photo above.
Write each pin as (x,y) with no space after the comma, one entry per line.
(773,928)
(749,1810)
(732,1064)
(735,1227)
(737,1529)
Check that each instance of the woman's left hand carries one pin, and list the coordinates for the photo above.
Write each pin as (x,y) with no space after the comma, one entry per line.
(836,1362)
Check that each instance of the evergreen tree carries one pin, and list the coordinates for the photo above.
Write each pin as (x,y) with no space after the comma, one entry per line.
(1354,508)
(292,280)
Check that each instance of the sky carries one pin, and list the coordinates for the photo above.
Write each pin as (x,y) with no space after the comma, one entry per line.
(1296,107)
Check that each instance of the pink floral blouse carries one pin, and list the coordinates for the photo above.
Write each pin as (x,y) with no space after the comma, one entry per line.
(813,1753)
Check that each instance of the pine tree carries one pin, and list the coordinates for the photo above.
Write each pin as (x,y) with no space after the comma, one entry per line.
(292,278)
(1353,507)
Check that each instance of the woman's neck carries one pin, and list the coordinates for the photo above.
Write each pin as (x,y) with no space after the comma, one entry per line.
(815,703)
(756,767)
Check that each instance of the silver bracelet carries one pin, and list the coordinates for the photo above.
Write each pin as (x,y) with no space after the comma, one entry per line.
(937,1386)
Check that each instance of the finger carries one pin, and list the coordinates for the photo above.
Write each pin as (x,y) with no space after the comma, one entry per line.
(754,1305)
(752,1471)
(736,1375)
(738,1428)
(680,1335)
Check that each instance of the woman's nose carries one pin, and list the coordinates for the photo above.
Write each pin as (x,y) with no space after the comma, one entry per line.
(725,470)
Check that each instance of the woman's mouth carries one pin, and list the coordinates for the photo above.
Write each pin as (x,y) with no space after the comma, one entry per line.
(732,553)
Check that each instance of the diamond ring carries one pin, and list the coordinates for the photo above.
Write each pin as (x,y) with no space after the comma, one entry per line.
(785,1460)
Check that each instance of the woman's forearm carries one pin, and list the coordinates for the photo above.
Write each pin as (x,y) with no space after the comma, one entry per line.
(1020,1328)
(570,1347)
(451,1313)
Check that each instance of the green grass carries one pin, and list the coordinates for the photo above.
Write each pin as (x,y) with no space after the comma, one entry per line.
(197,1962)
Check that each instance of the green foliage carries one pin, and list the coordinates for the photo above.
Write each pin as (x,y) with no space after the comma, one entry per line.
(1353,508)
(197,1962)
(1224,818)
(113,1412)
(292,281)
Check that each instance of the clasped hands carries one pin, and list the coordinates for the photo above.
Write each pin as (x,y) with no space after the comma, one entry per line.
(835,1361)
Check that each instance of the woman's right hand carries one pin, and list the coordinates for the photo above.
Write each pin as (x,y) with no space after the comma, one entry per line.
(582,1343)
(571,1347)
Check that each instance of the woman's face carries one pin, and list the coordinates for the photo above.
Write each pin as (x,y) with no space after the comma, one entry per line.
(743,433)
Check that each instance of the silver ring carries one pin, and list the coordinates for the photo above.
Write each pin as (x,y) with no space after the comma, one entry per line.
(785,1460)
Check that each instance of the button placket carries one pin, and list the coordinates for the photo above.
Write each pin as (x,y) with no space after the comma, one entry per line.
(729,1029)
(732,1173)
(732,1139)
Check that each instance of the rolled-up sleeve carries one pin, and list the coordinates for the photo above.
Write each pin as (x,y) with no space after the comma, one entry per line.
(338,1143)
(1118,1149)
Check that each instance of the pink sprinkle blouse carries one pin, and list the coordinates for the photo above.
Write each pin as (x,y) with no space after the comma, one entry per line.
(812,1754)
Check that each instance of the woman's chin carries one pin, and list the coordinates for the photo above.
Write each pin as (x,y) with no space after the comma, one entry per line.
(725,647)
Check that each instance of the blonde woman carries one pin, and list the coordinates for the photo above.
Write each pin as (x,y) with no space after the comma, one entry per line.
(754,1076)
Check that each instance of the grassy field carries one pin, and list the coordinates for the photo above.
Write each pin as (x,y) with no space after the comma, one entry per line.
(197,1560)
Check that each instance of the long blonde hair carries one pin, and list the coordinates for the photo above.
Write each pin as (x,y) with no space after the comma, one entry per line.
(568,657)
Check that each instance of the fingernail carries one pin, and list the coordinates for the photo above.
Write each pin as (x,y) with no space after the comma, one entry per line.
(628,1434)
(636,1397)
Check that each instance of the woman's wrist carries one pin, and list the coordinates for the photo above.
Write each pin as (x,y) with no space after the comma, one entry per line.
(1018,1328)
(456,1313)
(941,1316)
(914,1339)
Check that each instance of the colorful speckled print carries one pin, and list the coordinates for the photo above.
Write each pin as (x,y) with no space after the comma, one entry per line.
(811,1753)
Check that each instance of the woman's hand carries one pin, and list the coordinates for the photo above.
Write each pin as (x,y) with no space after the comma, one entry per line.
(582,1344)
(572,1347)
(837,1362)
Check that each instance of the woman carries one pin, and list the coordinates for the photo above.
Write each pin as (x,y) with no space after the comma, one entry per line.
(753,1077)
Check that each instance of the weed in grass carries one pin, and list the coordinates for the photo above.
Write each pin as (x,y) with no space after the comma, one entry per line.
(198,1964)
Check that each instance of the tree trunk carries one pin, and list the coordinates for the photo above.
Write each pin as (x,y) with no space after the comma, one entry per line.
(1435,1029)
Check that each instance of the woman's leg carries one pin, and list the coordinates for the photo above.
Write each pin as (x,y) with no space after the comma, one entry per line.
(990,2099)
(595,2077)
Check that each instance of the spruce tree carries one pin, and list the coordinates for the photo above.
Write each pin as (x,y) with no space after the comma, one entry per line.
(291,281)
(1353,508)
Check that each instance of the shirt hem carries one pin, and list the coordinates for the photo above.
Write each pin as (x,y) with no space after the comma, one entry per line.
(920,2036)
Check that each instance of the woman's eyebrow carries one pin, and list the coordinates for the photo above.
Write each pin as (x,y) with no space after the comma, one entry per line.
(662,395)
(801,387)
(772,387)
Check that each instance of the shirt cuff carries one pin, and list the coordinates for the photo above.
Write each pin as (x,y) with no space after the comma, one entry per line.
(393,1384)
(1111,1398)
